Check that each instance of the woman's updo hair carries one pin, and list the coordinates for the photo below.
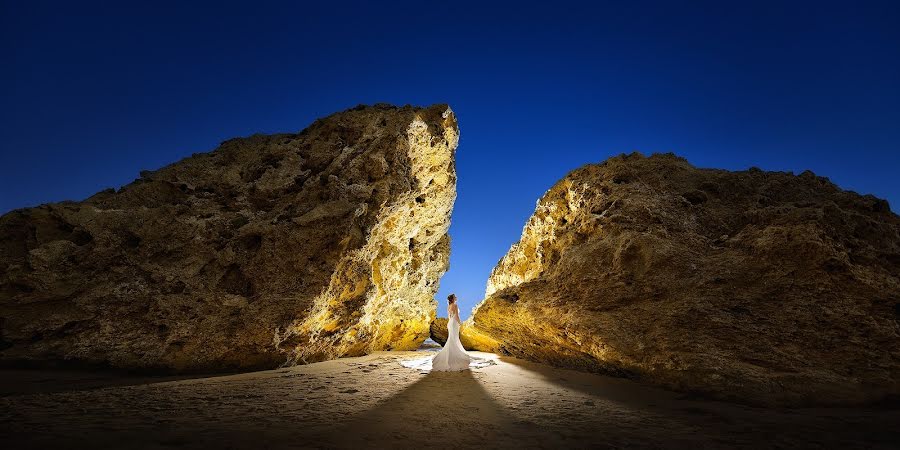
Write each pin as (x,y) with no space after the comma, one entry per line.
(451,299)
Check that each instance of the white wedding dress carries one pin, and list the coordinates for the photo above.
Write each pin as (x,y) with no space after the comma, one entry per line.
(453,356)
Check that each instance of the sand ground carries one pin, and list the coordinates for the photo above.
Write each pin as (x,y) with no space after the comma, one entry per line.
(374,402)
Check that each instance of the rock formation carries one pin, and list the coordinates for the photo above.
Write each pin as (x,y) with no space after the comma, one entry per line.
(759,287)
(439,330)
(268,250)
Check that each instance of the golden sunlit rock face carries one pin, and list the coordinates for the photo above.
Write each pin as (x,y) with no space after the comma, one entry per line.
(381,296)
(268,250)
(759,287)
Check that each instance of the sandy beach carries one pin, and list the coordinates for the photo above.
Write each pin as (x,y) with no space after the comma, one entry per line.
(375,402)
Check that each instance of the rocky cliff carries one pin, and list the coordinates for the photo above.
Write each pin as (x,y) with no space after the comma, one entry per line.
(265,251)
(760,287)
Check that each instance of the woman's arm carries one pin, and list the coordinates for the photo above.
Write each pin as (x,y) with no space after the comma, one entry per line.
(456,314)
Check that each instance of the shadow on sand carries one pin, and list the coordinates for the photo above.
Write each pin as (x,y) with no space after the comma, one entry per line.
(441,410)
(19,381)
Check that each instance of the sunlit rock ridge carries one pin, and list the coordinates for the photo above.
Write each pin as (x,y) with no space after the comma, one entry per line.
(759,287)
(269,250)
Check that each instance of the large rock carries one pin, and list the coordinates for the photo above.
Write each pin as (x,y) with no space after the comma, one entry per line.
(439,330)
(760,287)
(268,250)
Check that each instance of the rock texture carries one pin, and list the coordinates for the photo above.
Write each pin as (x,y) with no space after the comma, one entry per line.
(268,250)
(438,330)
(759,287)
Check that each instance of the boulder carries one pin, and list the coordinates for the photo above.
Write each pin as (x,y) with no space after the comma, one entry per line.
(269,250)
(759,287)
(439,330)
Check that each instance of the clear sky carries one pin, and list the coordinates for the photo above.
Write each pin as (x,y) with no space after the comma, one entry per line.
(93,94)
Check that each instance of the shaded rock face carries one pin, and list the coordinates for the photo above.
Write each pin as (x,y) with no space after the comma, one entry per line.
(439,333)
(268,250)
(439,330)
(759,287)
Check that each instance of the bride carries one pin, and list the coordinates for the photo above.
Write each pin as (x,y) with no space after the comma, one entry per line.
(453,356)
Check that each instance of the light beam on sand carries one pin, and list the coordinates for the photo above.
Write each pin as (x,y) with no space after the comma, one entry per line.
(424,364)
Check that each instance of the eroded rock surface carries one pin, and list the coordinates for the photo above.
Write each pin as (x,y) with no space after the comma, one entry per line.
(760,287)
(267,250)
(439,330)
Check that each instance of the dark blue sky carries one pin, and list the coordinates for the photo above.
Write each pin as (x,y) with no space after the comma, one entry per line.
(93,94)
